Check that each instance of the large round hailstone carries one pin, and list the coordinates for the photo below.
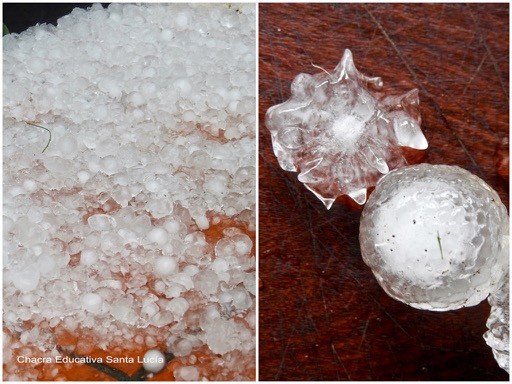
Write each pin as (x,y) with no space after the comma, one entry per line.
(165,266)
(153,361)
(92,302)
(434,237)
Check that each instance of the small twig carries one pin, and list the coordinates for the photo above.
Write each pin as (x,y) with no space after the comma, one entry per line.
(50,133)
(117,374)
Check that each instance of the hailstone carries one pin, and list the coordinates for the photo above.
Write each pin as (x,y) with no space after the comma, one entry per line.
(342,132)
(435,237)
(154,361)
(498,323)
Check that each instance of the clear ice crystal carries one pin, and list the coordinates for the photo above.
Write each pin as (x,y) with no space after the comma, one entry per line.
(342,133)
(498,323)
(435,237)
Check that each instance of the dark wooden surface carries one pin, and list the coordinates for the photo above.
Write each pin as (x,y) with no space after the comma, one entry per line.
(322,314)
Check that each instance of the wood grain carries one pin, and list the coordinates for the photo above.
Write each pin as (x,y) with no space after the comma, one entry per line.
(322,314)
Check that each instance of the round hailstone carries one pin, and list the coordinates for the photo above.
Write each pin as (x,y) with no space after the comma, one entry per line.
(182,347)
(92,302)
(153,361)
(158,236)
(434,237)
(88,257)
(165,266)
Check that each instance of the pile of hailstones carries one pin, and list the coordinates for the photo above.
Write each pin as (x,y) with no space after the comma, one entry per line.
(104,232)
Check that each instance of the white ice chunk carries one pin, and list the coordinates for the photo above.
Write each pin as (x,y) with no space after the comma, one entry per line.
(182,347)
(216,186)
(36,65)
(187,373)
(122,310)
(243,244)
(184,280)
(153,361)
(92,302)
(222,336)
(26,279)
(241,298)
(158,236)
(220,265)
(206,282)
(191,270)
(162,318)
(178,306)
(202,222)
(498,335)
(101,222)
(88,257)
(165,266)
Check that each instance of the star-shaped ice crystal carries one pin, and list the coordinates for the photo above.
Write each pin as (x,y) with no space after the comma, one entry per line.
(342,133)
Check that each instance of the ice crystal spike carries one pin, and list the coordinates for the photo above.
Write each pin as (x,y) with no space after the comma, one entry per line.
(436,237)
(342,133)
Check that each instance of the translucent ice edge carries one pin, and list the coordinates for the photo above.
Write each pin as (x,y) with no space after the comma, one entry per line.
(498,323)
(342,133)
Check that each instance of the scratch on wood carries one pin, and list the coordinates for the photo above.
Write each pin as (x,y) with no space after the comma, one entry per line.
(288,342)
(493,59)
(381,307)
(363,337)
(475,74)
(340,361)
(390,41)
(425,91)
(323,296)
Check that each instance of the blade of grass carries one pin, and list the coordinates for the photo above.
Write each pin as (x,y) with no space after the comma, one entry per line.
(49,132)
(439,242)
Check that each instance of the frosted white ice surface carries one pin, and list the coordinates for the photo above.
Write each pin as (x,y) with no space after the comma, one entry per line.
(153,361)
(151,109)
(238,297)
(158,236)
(341,132)
(228,335)
(206,281)
(188,373)
(92,302)
(435,237)
(178,306)
(101,222)
(165,265)
(182,347)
